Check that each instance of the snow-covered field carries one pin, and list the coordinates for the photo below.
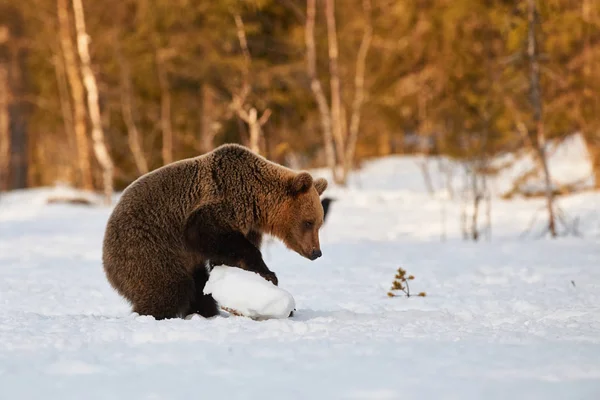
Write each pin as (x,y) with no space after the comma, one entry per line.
(509,318)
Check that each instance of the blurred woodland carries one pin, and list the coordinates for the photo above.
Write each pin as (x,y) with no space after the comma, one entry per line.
(96,93)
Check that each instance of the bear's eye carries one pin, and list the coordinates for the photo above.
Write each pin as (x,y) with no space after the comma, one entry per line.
(308,224)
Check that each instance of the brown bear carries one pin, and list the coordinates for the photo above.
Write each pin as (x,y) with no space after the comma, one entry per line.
(212,209)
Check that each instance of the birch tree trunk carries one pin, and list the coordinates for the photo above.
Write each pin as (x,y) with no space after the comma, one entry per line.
(340,140)
(359,89)
(536,100)
(4,133)
(336,93)
(89,81)
(317,89)
(77,92)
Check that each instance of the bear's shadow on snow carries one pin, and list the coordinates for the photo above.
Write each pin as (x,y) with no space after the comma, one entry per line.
(304,315)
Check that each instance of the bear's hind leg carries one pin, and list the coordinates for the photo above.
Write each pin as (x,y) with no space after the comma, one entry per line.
(166,299)
(203,304)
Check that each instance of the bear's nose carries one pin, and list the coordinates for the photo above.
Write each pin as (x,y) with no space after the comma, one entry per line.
(315,254)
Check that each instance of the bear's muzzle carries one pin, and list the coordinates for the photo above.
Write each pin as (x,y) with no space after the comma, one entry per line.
(315,254)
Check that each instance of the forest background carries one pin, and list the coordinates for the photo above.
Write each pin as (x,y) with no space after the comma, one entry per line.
(94,94)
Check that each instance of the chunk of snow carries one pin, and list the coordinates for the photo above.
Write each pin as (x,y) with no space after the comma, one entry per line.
(248,293)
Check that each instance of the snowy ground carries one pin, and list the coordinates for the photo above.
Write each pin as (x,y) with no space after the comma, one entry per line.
(507,318)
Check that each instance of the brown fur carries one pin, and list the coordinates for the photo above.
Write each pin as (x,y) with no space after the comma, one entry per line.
(213,208)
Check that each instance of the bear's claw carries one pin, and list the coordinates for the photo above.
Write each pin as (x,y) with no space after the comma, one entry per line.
(271,277)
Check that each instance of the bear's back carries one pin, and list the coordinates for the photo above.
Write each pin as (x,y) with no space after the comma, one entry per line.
(149,216)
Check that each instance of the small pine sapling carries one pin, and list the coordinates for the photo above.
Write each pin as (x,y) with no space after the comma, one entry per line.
(401,284)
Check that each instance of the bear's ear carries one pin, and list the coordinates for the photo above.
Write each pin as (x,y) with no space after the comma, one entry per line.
(301,183)
(320,185)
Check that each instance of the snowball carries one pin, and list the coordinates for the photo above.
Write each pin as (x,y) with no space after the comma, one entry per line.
(248,293)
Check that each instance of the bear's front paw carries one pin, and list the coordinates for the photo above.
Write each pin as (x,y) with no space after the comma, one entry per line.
(271,277)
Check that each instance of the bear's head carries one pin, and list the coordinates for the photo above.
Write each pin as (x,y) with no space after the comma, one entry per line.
(300,215)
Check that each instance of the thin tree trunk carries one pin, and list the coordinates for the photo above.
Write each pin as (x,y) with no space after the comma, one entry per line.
(89,81)
(586,16)
(317,89)
(207,136)
(241,32)
(4,132)
(13,25)
(426,175)
(536,99)
(240,99)
(593,147)
(254,130)
(592,139)
(482,169)
(446,173)
(265,142)
(77,92)
(443,220)
(541,138)
(488,206)
(133,136)
(250,117)
(336,92)
(384,141)
(359,84)
(465,199)
(165,112)
(256,127)
(65,108)
(476,201)
(425,134)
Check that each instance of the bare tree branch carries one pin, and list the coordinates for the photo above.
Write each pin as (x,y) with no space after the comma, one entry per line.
(290,4)
(265,117)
